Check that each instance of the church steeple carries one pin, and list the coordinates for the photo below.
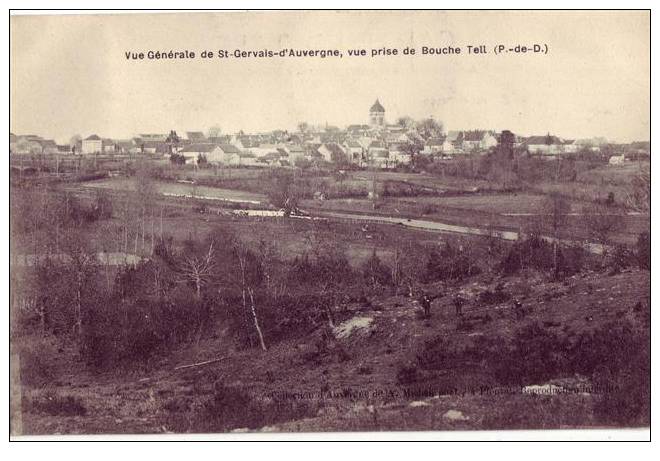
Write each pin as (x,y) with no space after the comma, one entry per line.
(377,114)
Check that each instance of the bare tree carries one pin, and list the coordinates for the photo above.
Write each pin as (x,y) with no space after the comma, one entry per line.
(556,209)
(406,122)
(601,222)
(248,278)
(429,128)
(197,270)
(82,263)
(75,139)
(214,131)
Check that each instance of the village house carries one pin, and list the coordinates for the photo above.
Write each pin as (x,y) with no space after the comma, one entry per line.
(109,146)
(617,160)
(262,149)
(155,137)
(378,155)
(453,143)
(64,149)
(25,144)
(569,146)
(478,140)
(398,155)
(222,153)
(194,152)
(224,139)
(295,152)
(92,145)
(544,145)
(355,152)
(270,159)
(48,146)
(435,146)
(124,146)
(195,137)
(333,153)
(242,159)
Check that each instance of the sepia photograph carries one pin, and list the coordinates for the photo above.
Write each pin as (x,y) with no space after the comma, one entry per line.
(250,223)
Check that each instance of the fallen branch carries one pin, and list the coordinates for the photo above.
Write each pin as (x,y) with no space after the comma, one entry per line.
(199,364)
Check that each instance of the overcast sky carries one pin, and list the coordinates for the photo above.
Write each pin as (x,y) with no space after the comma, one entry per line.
(69,74)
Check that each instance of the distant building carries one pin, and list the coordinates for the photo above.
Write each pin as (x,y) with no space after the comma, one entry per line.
(333,152)
(195,136)
(379,155)
(355,152)
(617,159)
(92,145)
(570,146)
(437,146)
(109,146)
(156,137)
(544,145)
(193,152)
(478,140)
(64,149)
(398,155)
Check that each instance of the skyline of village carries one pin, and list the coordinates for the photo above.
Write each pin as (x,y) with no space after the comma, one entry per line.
(377,143)
(320,126)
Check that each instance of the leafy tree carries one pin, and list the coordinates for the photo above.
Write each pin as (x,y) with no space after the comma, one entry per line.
(172,141)
(429,128)
(282,192)
(406,122)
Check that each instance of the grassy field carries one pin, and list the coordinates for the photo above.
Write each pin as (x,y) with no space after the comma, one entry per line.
(173,188)
(613,174)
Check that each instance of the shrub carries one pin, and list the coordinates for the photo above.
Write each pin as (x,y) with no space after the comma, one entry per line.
(407,374)
(375,272)
(231,408)
(535,356)
(620,258)
(54,404)
(497,296)
(36,362)
(534,252)
(435,355)
(626,383)
(450,264)
(643,251)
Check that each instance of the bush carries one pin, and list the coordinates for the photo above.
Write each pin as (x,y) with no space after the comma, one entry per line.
(535,356)
(450,264)
(497,296)
(57,405)
(375,272)
(623,376)
(407,374)
(534,252)
(620,258)
(436,354)
(616,357)
(37,364)
(231,408)
(643,251)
